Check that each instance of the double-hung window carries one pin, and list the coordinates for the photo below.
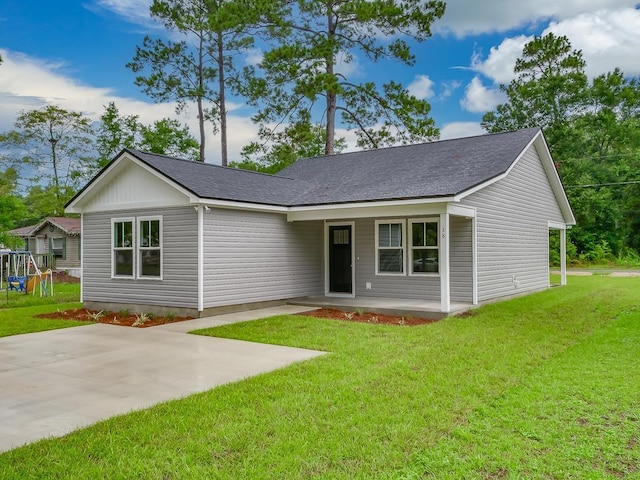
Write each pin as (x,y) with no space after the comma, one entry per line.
(122,247)
(149,247)
(424,246)
(390,247)
(136,247)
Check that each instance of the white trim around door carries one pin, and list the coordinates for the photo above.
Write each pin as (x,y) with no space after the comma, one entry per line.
(352,239)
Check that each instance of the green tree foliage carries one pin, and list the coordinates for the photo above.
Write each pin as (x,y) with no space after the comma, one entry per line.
(12,209)
(277,150)
(199,67)
(549,89)
(165,136)
(304,71)
(593,131)
(53,146)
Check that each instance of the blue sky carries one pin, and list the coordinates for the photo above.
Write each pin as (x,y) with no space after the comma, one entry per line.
(73,54)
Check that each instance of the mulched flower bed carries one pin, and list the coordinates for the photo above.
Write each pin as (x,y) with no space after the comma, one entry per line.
(368,317)
(113,318)
(130,319)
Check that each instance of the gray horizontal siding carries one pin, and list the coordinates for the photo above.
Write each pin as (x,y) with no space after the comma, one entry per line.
(179,286)
(255,257)
(461,259)
(512,230)
(394,286)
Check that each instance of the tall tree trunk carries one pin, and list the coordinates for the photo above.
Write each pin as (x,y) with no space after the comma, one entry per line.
(331,95)
(222,100)
(201,87)
(54,161)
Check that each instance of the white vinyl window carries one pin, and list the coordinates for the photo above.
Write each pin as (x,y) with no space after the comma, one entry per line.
(149,247)
(390,247)
(122,247)
(424,246)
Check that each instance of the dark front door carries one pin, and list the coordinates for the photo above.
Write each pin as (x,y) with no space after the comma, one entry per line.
(340,260)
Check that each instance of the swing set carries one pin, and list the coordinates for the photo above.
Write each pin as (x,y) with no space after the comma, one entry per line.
(19,272)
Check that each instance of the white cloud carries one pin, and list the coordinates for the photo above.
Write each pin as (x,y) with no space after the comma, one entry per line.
(480,99)
(607,39)
(253,56)
(348,64)
(28,83)
(448,88)
(499,65)
(421,87)
(469,17)
(133,11)
(460,130)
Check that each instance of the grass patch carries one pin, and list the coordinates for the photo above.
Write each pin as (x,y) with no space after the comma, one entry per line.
(62,293)
(15,321)
(544,386)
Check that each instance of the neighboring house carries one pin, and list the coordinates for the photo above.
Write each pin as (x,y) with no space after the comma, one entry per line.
(59,236)
(463,221)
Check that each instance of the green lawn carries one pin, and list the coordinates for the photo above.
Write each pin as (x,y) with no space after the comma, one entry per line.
(62,293)
(18,315)
(545,386)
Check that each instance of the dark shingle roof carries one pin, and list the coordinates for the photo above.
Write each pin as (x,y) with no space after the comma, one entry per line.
(435,169)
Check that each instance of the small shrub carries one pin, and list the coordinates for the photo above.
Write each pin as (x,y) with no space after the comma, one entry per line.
(348,315)
(373,319)
(141,319)
(359,311)
(124,313)
(96,316)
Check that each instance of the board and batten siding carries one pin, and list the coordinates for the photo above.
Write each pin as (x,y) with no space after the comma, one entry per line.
(257,257)
(179,286)
(512,218)
(414,287)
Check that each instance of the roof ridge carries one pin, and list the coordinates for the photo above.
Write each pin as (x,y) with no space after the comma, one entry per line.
(195,162)
(391,147)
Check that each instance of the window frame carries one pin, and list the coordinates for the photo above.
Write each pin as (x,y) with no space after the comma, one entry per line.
(424,220)
(403,246)
(63,249)
(131,220)
(140,249)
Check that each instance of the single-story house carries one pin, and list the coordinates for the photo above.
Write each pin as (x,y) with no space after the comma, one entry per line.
(60,236)
(450,222)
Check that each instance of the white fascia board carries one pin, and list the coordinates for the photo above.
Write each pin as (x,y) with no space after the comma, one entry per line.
(236,205)
(461,210)
(557,226)
(554,179)
(550,170)
(390,208)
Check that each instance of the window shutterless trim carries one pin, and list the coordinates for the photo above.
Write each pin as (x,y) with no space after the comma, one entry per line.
(402,247)
(412,221)
(131,220)
(140,249)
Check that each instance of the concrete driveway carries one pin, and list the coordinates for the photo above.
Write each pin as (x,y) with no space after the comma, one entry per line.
(54,382)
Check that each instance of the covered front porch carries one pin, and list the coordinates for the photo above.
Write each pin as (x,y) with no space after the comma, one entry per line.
(386,306)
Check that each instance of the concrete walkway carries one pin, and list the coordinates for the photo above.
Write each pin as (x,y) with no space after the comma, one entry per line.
(54,382)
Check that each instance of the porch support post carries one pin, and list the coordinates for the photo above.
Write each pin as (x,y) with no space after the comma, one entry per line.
(563,256)
(200,211)
(443,262)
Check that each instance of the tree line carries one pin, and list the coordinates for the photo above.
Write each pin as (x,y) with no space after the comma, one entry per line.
(301,93)
(592,127)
